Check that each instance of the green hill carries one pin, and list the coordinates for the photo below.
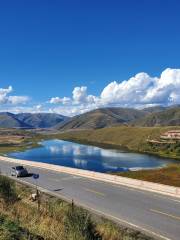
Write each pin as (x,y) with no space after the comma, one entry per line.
(30,120)
(101,118)
(9,120)
(167,117)
(41,120)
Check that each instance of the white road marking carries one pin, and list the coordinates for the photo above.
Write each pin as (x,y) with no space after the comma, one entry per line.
(165,214)
(63,179)
(93,191)
(138,190)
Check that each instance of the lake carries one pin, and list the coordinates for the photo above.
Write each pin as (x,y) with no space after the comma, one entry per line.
(87,157)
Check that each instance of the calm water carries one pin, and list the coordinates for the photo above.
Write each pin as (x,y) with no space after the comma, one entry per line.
(89,157)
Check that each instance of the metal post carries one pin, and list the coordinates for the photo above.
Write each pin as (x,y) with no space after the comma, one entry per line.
(72,205)
(36,176)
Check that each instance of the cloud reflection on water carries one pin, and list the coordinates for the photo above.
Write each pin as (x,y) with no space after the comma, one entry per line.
(89,157)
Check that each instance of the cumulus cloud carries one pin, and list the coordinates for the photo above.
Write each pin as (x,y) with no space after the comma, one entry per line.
(143,89)
(5,91)
(79,94)
(70,110)
(139,91)
(5,98)
(64,100)
(3,94)
(17,99)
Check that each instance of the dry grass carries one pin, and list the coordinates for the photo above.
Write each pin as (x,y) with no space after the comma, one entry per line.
(11,139)
(17,140)
(57,220)
(169,175)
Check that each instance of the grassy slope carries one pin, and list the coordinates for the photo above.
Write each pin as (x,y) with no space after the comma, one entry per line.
(132,138)
(169,175)
(11,230)
(24,140)
(100,118)
(167,117)
(56,220)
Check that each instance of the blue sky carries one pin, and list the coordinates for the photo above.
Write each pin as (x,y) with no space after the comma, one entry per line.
(48,48)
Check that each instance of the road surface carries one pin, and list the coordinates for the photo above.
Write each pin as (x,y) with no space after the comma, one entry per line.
(149,212)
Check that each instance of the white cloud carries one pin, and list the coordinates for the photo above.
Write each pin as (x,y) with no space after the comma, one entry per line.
(143,89)
(18,100)
(3,94)
(64,100)
(129,91)
(139,91)
(5,98)
(5,91)
(79,94)
(24,108)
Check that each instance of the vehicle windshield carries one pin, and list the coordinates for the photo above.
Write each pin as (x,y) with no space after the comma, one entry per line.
(19,168)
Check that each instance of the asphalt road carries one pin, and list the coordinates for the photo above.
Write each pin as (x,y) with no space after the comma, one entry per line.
(152,213)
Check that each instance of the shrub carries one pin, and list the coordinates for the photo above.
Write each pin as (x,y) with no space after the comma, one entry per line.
(10,230)
(78,225)
(7,190)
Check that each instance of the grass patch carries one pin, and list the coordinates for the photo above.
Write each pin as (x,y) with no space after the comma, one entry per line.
(169,175)
(13,140)
(11,230)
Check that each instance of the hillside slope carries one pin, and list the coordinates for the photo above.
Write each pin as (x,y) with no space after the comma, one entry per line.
(9,120)
(101,118)
(41,120)
(30,120)
(167,117)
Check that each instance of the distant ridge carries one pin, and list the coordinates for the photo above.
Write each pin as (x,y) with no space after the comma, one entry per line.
(154,109)
(41,120)
(167,117)
(100,118)
(30,120)
(9,120)
(95,119)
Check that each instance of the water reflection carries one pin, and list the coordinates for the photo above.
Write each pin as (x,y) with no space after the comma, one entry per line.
(89,157)
(79,163)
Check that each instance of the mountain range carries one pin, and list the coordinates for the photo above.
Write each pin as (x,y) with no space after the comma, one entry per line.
(30,120)
(98,118)
(108,117)
(164,117)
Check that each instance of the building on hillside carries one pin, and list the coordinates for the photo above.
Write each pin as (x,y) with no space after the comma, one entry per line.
(173,134)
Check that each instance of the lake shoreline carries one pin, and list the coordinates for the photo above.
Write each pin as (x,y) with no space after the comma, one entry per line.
(101,158)
(111,146)
(132,139)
